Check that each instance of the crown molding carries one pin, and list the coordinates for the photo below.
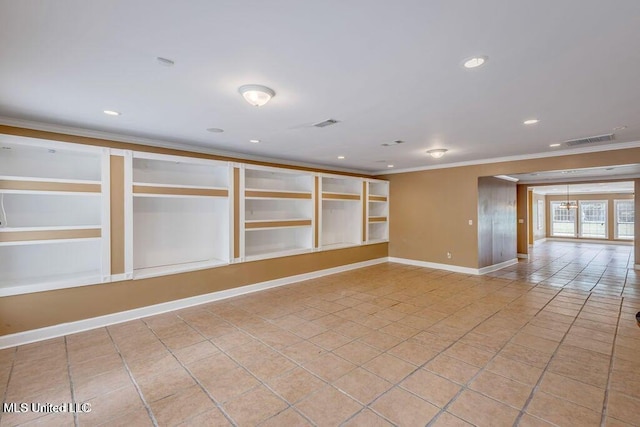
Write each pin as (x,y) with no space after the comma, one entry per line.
(89,133)
(559,153)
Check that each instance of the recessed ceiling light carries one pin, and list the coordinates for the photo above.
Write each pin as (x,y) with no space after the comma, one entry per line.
(554,145)
(256,95)
(111,113)
(436,153)
(215,130)
(340,157)
(531,121)
(475,62)
(389,166)
(165,61)
(51,151)
(254,141)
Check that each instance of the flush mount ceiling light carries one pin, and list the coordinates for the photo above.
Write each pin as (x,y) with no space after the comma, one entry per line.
(437,152)
(531,121)
(256,95)
(475,62)
(111,113)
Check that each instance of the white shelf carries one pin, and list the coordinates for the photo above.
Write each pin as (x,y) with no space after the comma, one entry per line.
(260,255)
(377,229)
(188,227)
(49,282)
(339,245)
(183,172)
(163,270)
(279,180)
(275,241)
(340,218)
(51,188)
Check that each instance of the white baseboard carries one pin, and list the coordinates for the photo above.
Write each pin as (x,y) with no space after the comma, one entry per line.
(455,268)
(601,242)
(496,267)
(49,332)
(523,256)
(435,265)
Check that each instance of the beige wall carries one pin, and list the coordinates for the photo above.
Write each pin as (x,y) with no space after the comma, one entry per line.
(575,197)
(30,311)
(497,225)
(430,209)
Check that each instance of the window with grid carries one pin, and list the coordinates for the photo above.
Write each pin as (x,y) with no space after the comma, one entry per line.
(593,219)
(563,222)
(625,217)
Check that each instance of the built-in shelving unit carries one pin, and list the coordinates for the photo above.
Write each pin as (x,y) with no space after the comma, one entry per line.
(179,214)
(54,215)
(277,215)
(377,211)
(340,212)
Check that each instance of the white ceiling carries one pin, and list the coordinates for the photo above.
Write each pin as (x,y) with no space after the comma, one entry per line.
(386,71)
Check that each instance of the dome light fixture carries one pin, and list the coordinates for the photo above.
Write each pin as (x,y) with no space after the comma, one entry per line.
(436,153)
(475,62)
(256,95)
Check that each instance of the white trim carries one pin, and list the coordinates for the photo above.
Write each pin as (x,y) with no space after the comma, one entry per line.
(121,277)
(636,266)
(506,178)
(560,153)
(105,265)
(435,265)
(128,213)
(522,256)
(69,130)
(455,268)
(49,332)
(178,159)
(580,240)
(496,267)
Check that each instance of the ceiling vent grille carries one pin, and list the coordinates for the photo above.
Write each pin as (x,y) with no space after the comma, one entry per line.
(391,144)
(325,123)
(590,140)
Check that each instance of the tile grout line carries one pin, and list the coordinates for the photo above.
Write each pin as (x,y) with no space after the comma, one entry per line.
(6,390)
(605,402)
(544,370)
(202,387)
(465,386)
(76,422)
(135,383)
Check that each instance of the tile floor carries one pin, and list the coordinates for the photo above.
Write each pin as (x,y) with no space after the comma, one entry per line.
(385,345)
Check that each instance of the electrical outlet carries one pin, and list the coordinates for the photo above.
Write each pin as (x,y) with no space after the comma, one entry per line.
(449,255)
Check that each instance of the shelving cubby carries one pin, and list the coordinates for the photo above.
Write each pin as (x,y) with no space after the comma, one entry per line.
(180,214)
(277,212)
(377,211)
(54,215)
(341,212)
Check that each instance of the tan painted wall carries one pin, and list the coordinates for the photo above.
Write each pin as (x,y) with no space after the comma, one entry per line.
(430,209)
(497,224)
(30,311)
(576,197)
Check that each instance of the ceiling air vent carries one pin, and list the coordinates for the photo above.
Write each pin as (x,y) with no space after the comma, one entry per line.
(590,140)
(326,123)
(391,144)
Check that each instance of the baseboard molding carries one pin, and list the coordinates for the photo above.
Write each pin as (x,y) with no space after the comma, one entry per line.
(435,265)
(523,256)
(54,331)
(455,268)
(601,242)
(496,267)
